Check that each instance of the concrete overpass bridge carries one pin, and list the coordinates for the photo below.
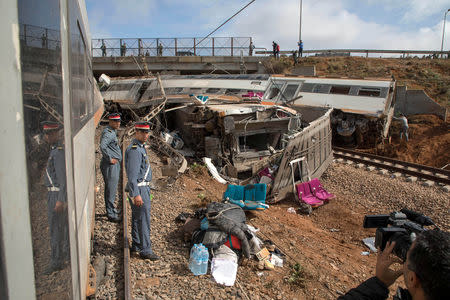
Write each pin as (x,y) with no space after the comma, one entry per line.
(138,65)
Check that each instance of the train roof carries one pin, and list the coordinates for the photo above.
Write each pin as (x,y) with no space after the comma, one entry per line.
(360,96)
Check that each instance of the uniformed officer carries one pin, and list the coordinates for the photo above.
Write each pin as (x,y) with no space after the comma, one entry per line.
(139,175)
(55,180)
(110,164)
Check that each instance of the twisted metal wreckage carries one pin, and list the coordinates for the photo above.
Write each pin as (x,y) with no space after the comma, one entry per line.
(250,128)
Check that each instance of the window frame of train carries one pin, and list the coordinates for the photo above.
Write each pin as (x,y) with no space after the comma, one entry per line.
(369,92)
(282,86)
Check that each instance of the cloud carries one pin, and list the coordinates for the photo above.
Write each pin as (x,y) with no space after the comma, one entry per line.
(420,9)
(327,24)
(413,11)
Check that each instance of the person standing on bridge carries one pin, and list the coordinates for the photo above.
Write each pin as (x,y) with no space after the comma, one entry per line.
(139,175)
(295,57)
(103,47)
(123,49)
(278,51)
(251,47)
(274,49)
(160,49)
(110,164)
(300,48)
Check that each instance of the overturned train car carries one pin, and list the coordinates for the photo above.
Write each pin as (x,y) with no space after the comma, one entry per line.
(362,108)
(226,118)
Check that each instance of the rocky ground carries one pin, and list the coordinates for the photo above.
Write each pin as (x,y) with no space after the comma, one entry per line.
(325,247)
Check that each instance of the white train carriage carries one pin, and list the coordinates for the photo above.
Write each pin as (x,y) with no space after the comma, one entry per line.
(363,109)
(46,76)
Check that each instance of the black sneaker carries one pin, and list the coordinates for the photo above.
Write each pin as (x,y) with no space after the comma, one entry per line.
(151,256)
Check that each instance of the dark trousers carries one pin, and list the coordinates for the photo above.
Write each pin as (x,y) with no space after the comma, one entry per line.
(111,174)
(140,223)
(59,231)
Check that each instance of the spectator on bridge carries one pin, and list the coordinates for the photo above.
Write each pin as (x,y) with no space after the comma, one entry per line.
(300,48)
(294,57)
(103,47)
(274,49)
(123,49)
(44,40)
(160,49)
(140,47)
(251,48)
(146,53)
(278,51)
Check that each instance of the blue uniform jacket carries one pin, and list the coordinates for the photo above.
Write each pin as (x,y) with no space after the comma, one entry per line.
(109,145)
(55,176)
(137,166)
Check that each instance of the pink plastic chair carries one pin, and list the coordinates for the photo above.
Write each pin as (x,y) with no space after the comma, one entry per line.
(318,190)
(305,195)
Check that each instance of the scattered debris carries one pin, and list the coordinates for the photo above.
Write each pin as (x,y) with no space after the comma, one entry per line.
(291,210)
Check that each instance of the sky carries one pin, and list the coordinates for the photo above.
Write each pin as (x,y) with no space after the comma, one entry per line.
(326,24)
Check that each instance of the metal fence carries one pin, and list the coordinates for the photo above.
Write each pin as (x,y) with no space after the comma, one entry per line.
(214,46)
(40,37)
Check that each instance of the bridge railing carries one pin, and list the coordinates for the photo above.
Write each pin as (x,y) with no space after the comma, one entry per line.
(39,37)
(366,52)
(214,46)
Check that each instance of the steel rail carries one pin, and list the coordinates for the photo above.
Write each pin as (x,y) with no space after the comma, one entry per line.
(126,245)
(412,169)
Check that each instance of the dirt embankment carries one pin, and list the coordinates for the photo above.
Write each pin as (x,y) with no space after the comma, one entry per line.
(429,136)
(429,142)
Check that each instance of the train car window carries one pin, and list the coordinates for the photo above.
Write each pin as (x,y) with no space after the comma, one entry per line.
(290,91)
(273,92)
(41,67)
(340,89)
(322,88)
(371,92)
(233,91)
(212,90)
(307,87)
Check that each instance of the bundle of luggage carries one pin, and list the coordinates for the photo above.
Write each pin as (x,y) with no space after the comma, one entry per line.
(222,229)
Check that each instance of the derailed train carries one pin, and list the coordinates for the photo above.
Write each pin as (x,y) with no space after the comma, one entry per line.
(362,108)
(46,76)
(246,123)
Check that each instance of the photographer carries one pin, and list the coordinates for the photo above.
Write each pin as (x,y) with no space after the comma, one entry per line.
(426,271)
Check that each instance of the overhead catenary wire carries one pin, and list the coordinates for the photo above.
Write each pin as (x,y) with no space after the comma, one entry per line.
(224,23)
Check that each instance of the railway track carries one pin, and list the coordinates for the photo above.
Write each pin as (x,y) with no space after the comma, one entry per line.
(414,171)
(126,244)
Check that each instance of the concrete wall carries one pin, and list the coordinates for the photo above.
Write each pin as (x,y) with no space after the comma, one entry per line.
(132,66)
(413,102)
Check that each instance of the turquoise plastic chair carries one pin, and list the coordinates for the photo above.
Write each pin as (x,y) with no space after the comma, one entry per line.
(249,197)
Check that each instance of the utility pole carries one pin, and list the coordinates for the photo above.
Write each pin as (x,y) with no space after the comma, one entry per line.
(300,29)
(443,33)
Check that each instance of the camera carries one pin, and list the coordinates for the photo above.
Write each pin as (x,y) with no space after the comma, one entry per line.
(399,226)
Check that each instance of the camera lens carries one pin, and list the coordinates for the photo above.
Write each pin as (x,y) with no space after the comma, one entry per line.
(402,244)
